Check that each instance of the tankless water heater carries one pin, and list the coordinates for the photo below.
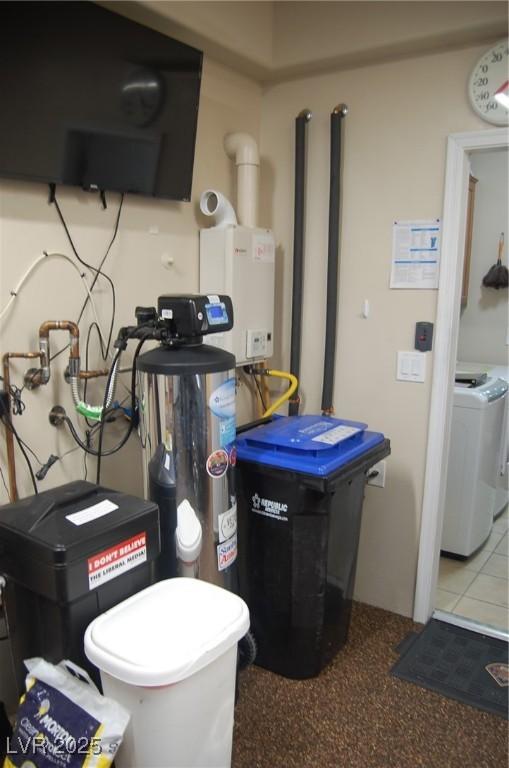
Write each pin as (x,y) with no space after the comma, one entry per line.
(239,261)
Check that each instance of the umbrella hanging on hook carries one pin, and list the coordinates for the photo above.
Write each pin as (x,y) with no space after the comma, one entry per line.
(497,276)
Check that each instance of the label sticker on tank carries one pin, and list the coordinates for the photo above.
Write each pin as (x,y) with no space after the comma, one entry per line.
(222,400)
(217,463)
(227,431)
(112,562)
(227,553)
(264,248)
(336,435)
(227,523)
(92,513)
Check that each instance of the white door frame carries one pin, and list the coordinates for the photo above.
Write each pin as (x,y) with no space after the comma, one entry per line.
(459,146)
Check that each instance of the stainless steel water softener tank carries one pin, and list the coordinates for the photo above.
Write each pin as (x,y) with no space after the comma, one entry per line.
(187,427)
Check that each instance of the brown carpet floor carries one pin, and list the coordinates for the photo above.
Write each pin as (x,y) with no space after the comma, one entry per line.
(356,715)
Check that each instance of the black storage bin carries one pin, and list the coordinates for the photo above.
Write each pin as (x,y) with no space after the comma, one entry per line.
(299,534)
(68,555)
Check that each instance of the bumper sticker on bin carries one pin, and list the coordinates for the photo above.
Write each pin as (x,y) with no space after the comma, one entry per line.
(269,508)
(227,553)
(112,562)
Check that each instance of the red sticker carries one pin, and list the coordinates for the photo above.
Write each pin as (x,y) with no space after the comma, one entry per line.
(112,562)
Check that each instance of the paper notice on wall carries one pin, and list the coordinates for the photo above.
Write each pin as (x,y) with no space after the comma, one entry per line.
(415,254)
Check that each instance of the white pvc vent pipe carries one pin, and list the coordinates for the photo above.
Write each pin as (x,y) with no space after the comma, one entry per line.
(244,150)
(213,203)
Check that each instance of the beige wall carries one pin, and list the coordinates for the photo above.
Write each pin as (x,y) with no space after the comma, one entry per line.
(28,225)
(275,40)
(358,33)
(484,321)
(394,163)
(237,34)
(244,27)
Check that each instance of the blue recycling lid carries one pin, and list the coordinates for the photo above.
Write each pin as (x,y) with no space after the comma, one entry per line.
(315,445)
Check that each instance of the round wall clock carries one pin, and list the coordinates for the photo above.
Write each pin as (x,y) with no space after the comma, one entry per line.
(488,87)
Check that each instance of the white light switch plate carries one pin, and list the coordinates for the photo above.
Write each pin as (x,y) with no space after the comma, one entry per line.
(411,366)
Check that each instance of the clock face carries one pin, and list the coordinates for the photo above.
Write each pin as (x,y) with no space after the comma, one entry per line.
(490,75)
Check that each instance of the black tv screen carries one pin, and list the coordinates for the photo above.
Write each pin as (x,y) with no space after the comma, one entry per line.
(92,99)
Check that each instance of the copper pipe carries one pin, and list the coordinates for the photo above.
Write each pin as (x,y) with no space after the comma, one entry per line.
(9,437)
(59,325)
(100,372)
(74,352)
(94,374)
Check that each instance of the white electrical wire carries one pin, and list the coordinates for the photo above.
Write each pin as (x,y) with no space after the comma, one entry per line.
(15,291)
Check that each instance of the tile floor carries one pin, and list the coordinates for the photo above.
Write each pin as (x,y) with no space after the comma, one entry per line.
(478,588)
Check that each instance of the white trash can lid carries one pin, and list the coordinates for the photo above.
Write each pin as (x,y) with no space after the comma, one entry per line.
(167,632)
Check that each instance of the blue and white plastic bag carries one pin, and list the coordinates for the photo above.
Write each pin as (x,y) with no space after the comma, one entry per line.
(64,722)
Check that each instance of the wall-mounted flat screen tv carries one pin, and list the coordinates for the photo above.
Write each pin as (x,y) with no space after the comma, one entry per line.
(91,99)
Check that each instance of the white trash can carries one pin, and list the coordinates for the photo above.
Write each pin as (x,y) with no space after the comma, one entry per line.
(168,655)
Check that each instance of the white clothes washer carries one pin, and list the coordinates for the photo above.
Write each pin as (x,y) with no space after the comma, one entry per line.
(496,372)
(474,460)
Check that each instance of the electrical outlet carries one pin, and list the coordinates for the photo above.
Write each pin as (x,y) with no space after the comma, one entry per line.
(376,475)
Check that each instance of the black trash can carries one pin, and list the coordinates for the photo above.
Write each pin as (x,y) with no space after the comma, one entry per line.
(68,555)
(301,489)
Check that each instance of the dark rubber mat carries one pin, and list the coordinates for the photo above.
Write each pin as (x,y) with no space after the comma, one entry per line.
(453,661)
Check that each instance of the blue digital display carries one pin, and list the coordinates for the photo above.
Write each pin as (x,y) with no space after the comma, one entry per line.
(216,314)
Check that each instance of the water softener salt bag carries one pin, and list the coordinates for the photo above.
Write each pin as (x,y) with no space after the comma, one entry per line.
(63,721)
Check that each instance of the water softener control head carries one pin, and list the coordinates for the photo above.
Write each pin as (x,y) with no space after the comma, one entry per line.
(194,316)
(180,320)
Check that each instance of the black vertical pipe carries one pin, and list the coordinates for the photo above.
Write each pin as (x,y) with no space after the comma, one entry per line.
(298,251)
(333,259)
